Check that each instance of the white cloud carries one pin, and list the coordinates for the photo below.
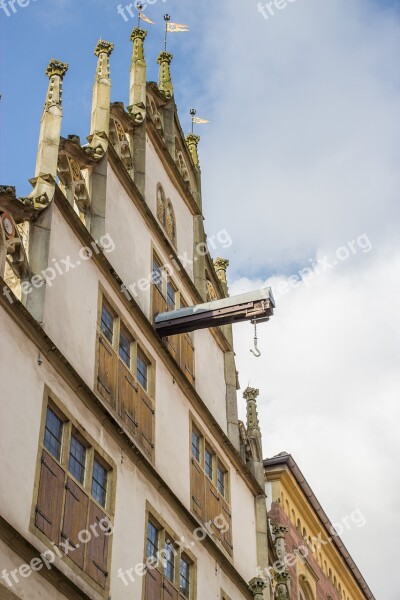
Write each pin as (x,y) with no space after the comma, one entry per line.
(299,159)
(330,382)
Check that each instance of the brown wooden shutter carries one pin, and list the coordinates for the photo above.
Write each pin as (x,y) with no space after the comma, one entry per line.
(168,591)
(107,371)
(97,547)
(75,516)
(153,585)
(197,489)
(213,506)
(173,344)
(226,537)
(187,356)
(127,398)
(146,420)
(50,498)
(159,302)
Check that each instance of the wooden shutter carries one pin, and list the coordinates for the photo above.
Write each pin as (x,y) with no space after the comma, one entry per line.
(172,342)
(168,591)
(97,547)
(187,356)
(50,498)
(127,398)
(197,489)
(213,506)
(146,422)
(226,537)
(107,371)
(159,302)
(75,516)
(153,585)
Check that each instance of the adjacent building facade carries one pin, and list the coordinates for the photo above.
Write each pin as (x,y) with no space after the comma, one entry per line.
(310,559)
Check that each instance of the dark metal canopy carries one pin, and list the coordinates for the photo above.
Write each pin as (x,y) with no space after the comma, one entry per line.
(257,305)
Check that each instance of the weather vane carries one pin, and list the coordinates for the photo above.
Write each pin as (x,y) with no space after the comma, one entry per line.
(195,119)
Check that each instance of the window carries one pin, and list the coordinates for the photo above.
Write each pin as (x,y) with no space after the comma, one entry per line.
(107,323)
(152,541)
(169,569)
(142,367)
(196,445)
(125,342)
(53,434)
(209,489)
(171,293)
(99,483)
(77,459)
(184,578)
(157,274)
(208,463)
(125,379)
(70,487)
(221,480)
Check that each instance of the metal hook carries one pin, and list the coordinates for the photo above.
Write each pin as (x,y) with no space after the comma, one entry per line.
(256,351)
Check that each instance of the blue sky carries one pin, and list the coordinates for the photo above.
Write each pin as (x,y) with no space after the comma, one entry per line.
(300,158)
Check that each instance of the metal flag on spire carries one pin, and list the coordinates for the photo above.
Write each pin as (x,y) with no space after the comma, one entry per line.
(142,16)
(196,120)
(172,28)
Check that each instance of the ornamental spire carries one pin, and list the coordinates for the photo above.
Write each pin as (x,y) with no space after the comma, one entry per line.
(50,128)
(137,95)
(164,60)
(100,121)
(49,136)
(192,142)
(250,395)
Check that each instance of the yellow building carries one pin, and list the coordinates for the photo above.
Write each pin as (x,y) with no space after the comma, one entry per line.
(312,558)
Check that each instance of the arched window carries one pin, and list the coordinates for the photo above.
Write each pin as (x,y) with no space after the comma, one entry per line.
(305,592)
(170,223)
(161,208)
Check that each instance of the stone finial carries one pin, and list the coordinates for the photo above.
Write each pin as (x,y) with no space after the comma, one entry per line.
(55,67)
(49,136)
(282,579)
(100,119)
(164,79)
(137,94)
(192,142)
(279,530)
(103,47)
(253,425)
(220,266)
(256,586)
(251,393)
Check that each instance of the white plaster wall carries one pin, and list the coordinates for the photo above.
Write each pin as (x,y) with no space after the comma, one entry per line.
(210,375)
(132,257)
(155,173)
(23,384)
(33,587)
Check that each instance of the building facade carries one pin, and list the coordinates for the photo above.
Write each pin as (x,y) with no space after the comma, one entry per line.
(306,552)
(123,471)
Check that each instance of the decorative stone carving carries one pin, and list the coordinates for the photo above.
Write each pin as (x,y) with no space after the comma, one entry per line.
(192,142)
(211,293)
(170,223)
(164,80)
(100,120)
(120,141)
(161,207)
(137,96)
(282,579)
(256,586)
(73,182)
(279,532)
(221,265)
